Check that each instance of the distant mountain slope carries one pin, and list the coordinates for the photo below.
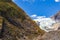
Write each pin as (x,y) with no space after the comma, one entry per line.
(49,24)
(53,35)
(16,25)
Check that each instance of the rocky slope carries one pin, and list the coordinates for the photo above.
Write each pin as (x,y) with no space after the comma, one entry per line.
(53,35)
(15,24)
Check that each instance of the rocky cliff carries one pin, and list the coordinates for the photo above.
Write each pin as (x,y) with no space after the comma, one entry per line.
(15,24)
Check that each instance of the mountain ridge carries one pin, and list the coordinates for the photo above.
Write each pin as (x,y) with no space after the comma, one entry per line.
(17,25)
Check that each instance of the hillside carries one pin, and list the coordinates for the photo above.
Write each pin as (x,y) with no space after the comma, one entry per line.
(15,24)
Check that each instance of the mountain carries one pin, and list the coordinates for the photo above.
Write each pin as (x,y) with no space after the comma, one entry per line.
(56,17)
(49,24)
(53,35)
(15,24)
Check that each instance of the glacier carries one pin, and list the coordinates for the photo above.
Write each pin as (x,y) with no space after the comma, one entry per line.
(47,24)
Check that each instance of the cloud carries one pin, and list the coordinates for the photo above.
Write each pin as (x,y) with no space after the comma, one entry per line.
(34,15)
(44,23)
(57,0)
(39,17)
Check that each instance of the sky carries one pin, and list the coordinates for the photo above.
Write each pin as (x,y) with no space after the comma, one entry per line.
(39,8)
(41,11)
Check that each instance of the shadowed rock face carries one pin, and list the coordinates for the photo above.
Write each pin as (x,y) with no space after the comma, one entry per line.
(16,24)
(57,16)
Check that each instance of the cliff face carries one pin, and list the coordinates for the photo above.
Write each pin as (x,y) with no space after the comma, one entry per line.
(15,24)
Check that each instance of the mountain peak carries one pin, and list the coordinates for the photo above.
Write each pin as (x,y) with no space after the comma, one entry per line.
(58,13)
(56,16)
